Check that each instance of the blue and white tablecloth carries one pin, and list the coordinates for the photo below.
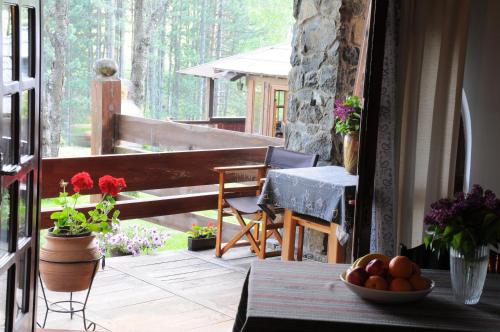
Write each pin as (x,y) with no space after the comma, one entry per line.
(315,191)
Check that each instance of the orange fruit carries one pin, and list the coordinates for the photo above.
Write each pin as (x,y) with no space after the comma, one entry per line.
(376,282)
(419,282)
(416,269)
(400,285)
(401,267)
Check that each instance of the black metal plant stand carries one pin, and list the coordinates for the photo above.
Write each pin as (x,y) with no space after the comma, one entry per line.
(74,306)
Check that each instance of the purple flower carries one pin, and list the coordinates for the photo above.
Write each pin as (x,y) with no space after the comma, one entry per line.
(465,205)
(343,111)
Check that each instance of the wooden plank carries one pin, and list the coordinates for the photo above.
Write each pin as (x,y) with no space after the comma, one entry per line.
(149,170)
(168,134)
(153,207)
(131,209)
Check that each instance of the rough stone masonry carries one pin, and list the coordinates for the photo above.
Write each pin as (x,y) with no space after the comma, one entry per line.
(321,45)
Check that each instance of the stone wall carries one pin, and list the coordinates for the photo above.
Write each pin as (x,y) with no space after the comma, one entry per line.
(319,47)
(313,79)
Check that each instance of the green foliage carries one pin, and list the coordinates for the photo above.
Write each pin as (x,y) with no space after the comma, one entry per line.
(202,232)
(70,221)
(187,36)
(350,109)
(464,234)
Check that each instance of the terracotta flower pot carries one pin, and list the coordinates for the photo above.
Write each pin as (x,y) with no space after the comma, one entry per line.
(351,148)
(64,277)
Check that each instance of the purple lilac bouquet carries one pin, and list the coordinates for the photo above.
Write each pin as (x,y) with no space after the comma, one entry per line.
(464,223)
(347,115)
(135,241)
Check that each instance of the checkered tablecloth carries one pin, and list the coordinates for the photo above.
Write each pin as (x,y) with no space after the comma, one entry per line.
(301,296)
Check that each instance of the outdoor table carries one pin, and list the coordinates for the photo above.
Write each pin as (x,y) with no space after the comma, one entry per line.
(320,192)
(309,296)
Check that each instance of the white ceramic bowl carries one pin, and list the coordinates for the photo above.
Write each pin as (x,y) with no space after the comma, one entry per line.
(382,296)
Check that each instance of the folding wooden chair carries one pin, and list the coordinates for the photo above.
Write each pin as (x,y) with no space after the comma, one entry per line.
(243,201)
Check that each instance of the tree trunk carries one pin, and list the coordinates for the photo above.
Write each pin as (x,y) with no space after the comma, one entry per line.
(98,35)
(144,27)
(203,50)
(139,53)
(110,24)
(51,119)
(218,54)
(120,36)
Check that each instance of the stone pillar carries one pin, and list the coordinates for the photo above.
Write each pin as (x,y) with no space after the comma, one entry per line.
(313,79)
(313,82)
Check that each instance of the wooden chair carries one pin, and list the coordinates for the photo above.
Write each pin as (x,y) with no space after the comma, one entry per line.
(335,252)
(425,258)
(243,201)
(494,262)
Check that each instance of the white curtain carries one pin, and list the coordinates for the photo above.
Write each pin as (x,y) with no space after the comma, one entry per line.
(433,43)
(419,116)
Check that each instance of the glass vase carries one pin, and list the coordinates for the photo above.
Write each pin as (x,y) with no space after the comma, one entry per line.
(468,273)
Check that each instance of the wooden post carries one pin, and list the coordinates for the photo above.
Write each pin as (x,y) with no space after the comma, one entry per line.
(209,101)
(105,103)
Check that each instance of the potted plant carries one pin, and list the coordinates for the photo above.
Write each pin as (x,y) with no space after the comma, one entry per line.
(68,258)
(201,237)
(466,225)
(347,122)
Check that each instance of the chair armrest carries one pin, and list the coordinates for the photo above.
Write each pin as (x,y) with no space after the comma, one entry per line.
(239,168)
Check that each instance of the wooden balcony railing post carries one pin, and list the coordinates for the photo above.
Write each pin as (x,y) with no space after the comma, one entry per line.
(105,103)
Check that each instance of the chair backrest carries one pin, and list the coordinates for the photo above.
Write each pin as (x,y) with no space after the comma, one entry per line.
(425,258)
(281,158)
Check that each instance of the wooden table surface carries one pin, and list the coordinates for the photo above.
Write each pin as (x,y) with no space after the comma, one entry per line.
(303,296)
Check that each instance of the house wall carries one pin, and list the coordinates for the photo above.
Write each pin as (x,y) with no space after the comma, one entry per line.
(264,110)
(481,86)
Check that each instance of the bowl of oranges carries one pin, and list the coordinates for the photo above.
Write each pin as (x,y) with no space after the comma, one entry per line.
(378,278)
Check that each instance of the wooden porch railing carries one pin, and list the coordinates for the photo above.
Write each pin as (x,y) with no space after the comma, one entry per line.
(176,136)
(151,171)
(234,124)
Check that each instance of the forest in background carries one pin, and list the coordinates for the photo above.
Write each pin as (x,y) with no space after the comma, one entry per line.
(150,40)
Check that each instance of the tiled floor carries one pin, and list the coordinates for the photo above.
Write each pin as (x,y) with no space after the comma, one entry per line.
(170,291)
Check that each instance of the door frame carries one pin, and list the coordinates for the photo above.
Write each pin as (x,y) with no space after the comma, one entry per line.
(21,261)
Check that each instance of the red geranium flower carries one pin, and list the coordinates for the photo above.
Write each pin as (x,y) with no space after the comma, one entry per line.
(81,181)
(111,185)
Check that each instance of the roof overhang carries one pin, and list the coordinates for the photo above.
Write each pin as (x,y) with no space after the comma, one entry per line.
(273,61)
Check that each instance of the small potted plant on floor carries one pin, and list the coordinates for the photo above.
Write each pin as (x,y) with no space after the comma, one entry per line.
(68,258)
(201,237)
